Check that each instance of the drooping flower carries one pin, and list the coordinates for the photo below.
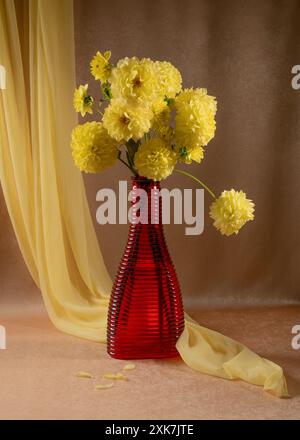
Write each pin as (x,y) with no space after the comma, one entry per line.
(195,123)
(187,155)
(168,78)
(93,150)
(101,67)
(82,101)
(125,121)
(231,211)
(155,159)
(134,79)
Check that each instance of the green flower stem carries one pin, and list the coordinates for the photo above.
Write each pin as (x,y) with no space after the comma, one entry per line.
(126,164)
(131,149)
(197,180)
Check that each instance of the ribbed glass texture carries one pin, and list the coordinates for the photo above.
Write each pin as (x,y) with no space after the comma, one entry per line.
(145,313)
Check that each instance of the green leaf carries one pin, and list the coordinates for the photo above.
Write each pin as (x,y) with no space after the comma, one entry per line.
(106,91)
(183,152)
(88,99)
(169,101)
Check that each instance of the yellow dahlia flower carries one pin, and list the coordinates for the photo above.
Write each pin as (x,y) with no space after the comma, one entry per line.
(100,66)
(93,150)
(134,79)
(161,120)
(187,155)
(82,101)
(166,133)
(125,121)
(169,79)
(195,123)
(231,211)
(155,159)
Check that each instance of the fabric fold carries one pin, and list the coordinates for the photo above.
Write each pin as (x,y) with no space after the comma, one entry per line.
(212,353)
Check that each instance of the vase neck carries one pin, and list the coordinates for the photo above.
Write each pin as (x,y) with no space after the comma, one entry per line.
(144,183)
(145,201)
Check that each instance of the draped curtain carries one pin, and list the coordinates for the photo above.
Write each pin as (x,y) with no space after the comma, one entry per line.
(45,194)
(43,190)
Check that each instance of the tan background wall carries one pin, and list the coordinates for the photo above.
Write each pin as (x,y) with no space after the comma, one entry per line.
(242,51)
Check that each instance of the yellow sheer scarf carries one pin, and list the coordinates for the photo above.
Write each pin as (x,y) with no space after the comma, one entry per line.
(45,194)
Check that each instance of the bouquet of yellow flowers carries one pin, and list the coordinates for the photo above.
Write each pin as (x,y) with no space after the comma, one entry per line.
(150,124)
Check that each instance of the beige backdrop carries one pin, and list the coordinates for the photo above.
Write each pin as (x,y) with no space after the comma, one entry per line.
(242,52)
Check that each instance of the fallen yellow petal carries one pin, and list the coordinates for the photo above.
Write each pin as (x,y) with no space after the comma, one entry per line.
(128,367)
(109,376)
(104,386)
(121,376)
(117,376)
(84,374)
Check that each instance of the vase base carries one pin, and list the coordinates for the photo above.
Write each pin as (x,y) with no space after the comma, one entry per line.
(144,356)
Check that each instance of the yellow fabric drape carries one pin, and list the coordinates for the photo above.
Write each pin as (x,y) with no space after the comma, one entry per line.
(212,353)
(46,199)
(43,190)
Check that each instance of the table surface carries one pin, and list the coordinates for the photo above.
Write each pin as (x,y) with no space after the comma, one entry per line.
(37,373)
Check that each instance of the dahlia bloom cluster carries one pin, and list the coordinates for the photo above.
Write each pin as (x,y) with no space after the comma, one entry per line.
(150,124)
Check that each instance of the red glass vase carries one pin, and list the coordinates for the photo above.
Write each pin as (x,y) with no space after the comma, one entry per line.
(146,315)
